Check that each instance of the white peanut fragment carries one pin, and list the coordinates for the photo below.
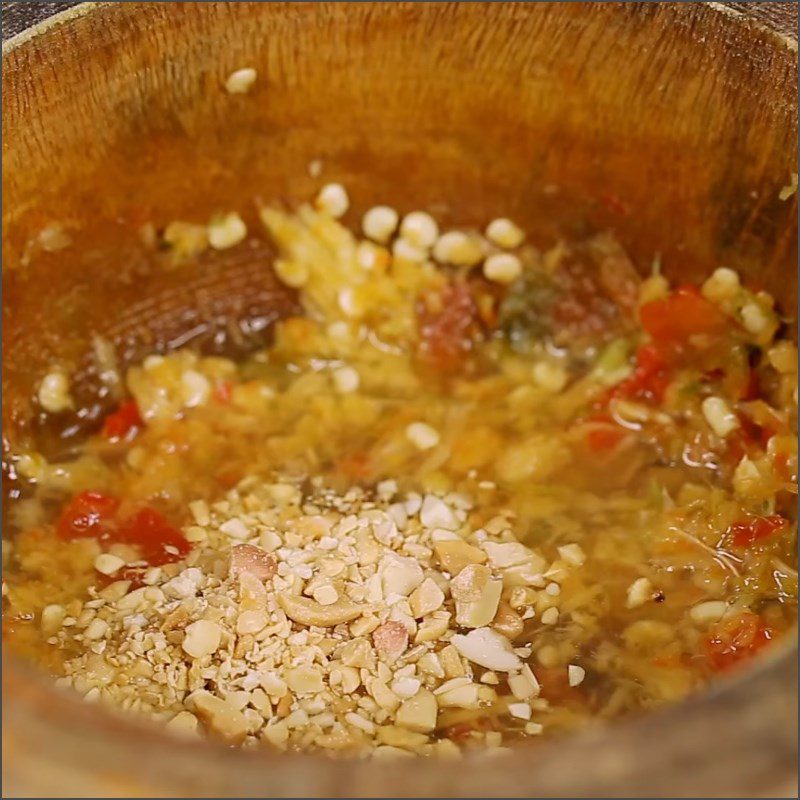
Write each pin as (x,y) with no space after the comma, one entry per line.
(252,559)
(379,223)
(502,268)
(507,621)
(755,319)
(305,679)
(477,595)
(251,622)
(723,284)
(426,598)
(391,639)
(333,200)
(202,638)
(221,717)
(708,612)
(639,592)
(549,616)
(226,231)
(464,696)
(235,528)
(52,617)
(459,249)
(422,435)
(432,628)
(509,554)
(306,611)
(519,710)
(550,377)
(184,723)
(241,80)
(524,685)
(419,712)
(404,251)
(435,513)
(573,554)
(575,674)
(487,648)
(504,233)
(400,737)
(54,393)
(419,229)
(326,594)
(96,629)
(346,380)
(252,593)
(453,555)
(108,564)
(400,575)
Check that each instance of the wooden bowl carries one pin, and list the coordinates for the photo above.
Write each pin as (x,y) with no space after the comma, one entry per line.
(675,125)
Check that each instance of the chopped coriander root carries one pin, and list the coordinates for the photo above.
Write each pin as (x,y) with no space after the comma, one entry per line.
(478,492)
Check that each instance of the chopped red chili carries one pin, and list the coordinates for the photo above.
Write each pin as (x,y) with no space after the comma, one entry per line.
(673,320)
(158,541)
(754,530)
(123,422)
(95,515)
(603,439)
(223,392)
(735,639)
(88,514)
(650,376)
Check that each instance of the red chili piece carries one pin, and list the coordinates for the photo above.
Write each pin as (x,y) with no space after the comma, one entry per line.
(733,640)
(123,422)
(606,437)
(91,514)
(159,542)
(754,530)
(88,514)
(672,321)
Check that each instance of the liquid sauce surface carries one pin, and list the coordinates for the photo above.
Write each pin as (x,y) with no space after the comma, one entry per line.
(636,439)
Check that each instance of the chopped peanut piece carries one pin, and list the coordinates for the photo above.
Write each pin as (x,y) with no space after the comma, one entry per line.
(488,648)
(391,640)
(309,612)
(252,559)
(507,621)
(400,575)
(477,596)
(418,713)
(220,717)
(426,598)
(454,555)
(466,696)
(202,638)
(184,723)
(451,662)
(432,628)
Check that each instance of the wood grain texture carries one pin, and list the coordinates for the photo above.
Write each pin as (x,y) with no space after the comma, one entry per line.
(673,124)
(781,17)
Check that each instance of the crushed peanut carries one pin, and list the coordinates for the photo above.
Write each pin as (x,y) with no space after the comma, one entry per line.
(251,645)
(241,80)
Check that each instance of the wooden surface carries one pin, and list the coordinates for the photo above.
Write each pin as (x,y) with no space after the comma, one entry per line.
(781,17)
(675,125)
